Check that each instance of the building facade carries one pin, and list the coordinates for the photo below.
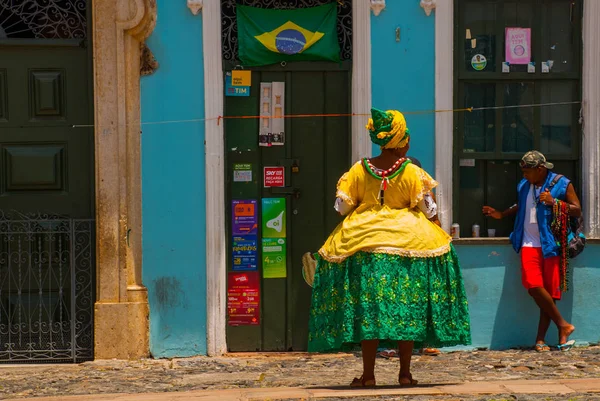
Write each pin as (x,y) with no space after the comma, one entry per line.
(136,192)
(414,56)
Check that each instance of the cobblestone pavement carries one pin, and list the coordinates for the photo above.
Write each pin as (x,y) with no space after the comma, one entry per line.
(298,370)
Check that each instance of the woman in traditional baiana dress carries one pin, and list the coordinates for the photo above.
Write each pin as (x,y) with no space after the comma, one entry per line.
(387,275)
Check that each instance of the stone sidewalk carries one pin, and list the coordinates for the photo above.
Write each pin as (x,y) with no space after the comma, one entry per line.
(508,389)
(454,376)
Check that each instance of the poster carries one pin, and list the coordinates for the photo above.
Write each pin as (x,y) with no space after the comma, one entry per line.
(241,78)
(274,258)
(274,177)
(518,45)
(244,217)
(273,218)
(238,91)
(243,299)
(272,106)
(242,172)
(245,253)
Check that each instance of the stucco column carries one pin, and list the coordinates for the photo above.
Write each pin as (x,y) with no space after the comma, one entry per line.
(121,309)
(591,118)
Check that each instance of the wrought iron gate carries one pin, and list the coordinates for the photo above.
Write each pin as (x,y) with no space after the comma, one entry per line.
(46,288)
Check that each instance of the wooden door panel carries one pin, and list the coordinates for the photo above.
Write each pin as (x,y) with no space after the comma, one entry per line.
(321,146)
(46,164)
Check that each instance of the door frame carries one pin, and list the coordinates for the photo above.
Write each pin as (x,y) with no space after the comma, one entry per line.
(121,328)
(216,243)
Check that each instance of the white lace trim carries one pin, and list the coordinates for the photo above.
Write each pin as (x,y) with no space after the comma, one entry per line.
(345,197)
(428,185)
(411,253)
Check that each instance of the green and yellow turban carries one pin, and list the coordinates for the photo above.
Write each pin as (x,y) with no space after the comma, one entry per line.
(388,129)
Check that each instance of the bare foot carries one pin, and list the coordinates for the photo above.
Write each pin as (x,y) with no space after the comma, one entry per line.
(564,332)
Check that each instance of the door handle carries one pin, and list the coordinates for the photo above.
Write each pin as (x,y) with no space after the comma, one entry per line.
(295,192)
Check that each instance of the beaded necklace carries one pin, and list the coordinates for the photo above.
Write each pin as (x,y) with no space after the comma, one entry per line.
(385,175)
(560,229)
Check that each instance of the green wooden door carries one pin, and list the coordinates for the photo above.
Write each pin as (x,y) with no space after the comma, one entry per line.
(315,154)
(47,238)
(46,164)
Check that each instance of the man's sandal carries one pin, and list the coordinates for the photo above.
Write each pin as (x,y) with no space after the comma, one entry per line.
(542,347)
(566,346)
(407,380)
(362,383)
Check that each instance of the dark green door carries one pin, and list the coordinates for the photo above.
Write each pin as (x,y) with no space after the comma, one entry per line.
(47,238)
(46,164)
(315,154)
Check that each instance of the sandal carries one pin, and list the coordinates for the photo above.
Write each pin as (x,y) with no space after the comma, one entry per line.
(387,353)
(410,383)
(431,351)
(542,347)
(566,346)
(362,383)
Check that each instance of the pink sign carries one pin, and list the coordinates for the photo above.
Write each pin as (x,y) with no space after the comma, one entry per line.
(274,176)
(243,298)
(518,45)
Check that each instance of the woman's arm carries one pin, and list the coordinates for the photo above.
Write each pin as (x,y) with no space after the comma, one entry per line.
(429,207)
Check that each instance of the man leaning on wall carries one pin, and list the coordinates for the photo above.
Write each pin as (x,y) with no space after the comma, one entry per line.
(544,198)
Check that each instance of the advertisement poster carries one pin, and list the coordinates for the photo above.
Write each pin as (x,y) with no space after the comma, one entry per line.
(273,218)
(242,172)
(274,258)
(274,176)
(243,299)
(241,78)
(245,253)
(244,219)
(237,91)
(518,45)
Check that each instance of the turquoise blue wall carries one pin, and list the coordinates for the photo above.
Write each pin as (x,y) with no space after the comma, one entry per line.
(404,72)
(173,198)
(502,313)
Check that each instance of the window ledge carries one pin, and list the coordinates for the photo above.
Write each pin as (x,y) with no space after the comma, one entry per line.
(482,241)
(503,241)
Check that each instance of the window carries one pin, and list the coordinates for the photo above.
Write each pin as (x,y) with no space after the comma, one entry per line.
(490,142)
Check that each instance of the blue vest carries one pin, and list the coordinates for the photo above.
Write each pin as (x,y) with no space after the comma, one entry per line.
(543,212)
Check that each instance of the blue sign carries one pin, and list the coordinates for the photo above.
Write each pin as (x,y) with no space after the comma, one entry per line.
(231,90)
(245,253)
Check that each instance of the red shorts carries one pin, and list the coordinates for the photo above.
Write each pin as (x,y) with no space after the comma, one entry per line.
(538,272)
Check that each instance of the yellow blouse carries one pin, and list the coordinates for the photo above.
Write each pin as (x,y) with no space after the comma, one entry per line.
(397,227)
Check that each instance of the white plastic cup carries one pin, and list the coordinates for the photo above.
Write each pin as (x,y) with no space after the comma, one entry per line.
(491,232)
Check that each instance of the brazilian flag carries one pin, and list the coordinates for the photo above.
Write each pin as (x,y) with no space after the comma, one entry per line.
(267,36)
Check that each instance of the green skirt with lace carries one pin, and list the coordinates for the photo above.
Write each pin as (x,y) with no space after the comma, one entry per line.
(392,298)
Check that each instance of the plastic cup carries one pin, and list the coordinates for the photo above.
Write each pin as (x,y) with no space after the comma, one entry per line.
(491,232)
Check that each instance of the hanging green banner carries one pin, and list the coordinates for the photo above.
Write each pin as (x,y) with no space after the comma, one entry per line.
(267,36)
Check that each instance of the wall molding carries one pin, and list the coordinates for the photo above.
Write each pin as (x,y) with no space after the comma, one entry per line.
(361,78)
(444,99)
(195,6)
(591,118)
(216,244)
(428,6)
(377,6)
(214,148)
(121,328)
